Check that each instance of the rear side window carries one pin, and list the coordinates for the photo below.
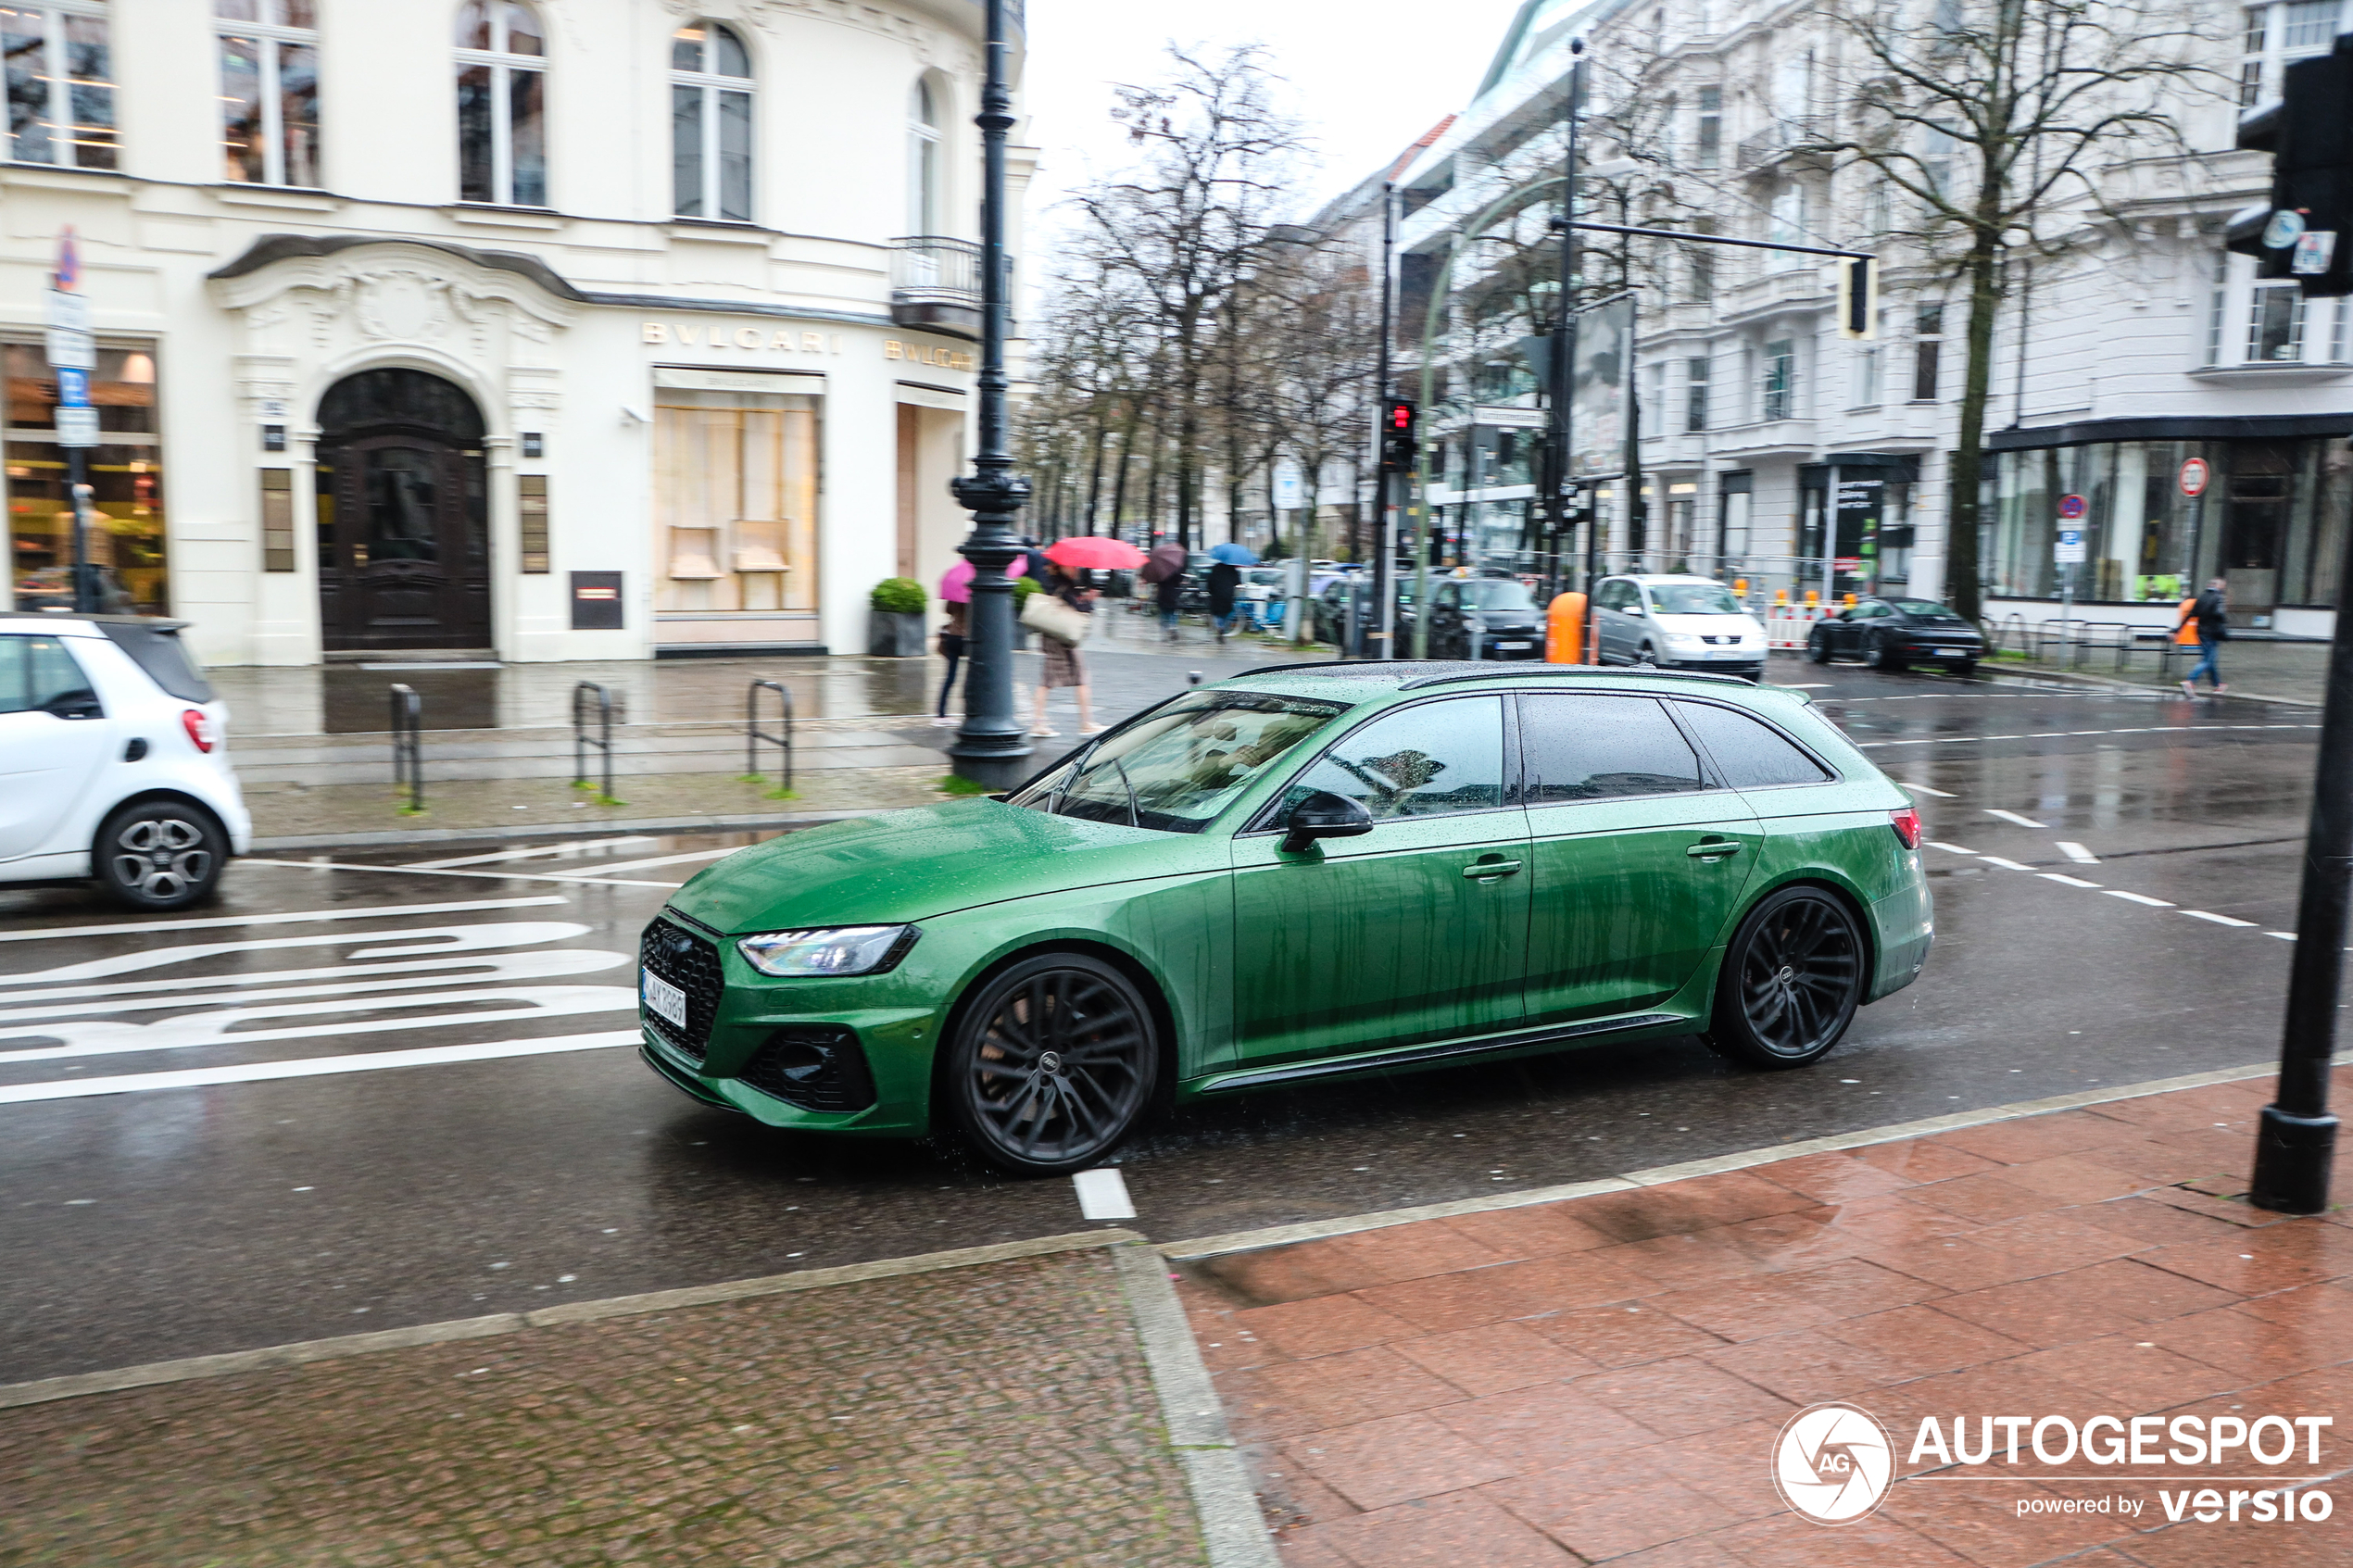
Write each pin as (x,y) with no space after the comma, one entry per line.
(1591,746)
(1749,755)
(159,652)
(38,671)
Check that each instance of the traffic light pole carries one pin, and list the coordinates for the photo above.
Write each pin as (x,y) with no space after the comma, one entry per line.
(1384,632)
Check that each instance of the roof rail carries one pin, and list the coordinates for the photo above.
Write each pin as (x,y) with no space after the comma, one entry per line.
(1514,670)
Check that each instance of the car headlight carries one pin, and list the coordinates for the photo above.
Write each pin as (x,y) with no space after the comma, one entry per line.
(1684,640)
(831,951)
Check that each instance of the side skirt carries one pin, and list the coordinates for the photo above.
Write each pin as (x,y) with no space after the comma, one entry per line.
(1459,1050)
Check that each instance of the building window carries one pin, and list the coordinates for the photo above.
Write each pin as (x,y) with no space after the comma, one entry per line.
(1927,351)
(2277,33)
(1866,368)
(922,160)
(277,520)
(2217,292)
(711,123)
(1781,378)
(1707,150)
(735,508)
(2275,325)
(1785,225)
(1695,393)
(269,92)
(125,469)
(502,105)
(61,80)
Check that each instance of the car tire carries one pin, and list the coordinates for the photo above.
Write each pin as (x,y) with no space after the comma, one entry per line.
(1885,656)
(1818,648)
(1793,977)
(1647,659)
(160,854)
(1052,1100)
(1965,669)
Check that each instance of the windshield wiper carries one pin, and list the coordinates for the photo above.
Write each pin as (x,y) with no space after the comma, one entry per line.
(1135,818)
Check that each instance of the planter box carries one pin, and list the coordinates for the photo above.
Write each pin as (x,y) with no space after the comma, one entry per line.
(894,634)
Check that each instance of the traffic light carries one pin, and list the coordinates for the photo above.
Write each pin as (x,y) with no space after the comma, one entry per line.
(1398,436)
(1857,299)
(2302,232)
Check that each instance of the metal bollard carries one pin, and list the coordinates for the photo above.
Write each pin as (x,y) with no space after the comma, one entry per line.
(582,740)
(408,745)
(754,735)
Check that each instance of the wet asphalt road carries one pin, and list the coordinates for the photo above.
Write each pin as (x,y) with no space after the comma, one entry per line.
(179,1218)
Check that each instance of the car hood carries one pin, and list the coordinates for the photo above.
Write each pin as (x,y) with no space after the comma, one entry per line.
(930,861)
(1711,625)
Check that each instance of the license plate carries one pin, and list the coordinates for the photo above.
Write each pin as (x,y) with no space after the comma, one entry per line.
(1509,647)
(662,998)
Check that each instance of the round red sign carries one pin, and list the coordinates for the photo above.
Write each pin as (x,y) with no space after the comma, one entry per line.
(2194,473)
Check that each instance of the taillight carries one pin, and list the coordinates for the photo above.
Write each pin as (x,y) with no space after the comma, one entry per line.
(1907,826)
(199,728)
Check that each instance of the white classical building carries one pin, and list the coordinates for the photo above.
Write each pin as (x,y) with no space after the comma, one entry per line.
(2200,414)
(568,329)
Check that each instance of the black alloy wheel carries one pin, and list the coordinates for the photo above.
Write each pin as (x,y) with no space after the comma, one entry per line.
(1818,647)
(1885,654)
(1792,980)
(1053,1065)
(1964,668)
(159,855)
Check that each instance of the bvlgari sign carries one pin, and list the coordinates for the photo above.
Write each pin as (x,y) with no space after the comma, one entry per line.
(749,339)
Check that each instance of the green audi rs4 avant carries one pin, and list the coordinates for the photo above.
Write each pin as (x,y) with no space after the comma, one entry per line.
(1302,873)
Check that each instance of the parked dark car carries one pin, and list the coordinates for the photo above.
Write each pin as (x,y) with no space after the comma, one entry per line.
(1327,611)
(1893,634)
(1508,619)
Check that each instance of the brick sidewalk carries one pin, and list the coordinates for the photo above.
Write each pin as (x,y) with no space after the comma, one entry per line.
(1603,1379)
(1000,1413)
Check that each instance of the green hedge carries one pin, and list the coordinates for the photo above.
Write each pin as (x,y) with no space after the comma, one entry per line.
(899,596)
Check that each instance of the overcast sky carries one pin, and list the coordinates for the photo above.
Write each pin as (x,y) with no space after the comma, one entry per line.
(1366,77)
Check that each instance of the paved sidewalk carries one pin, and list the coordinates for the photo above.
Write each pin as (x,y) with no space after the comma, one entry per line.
(1002,1412)
(1603,1379)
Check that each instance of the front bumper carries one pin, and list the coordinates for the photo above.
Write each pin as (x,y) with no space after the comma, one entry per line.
(1717,660)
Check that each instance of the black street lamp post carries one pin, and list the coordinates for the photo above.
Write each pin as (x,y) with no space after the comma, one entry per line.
(992,746)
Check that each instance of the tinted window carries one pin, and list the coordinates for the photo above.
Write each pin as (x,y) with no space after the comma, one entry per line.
(1749,754)
(164,657)
(1420,761)
(37,672)
(1594,747)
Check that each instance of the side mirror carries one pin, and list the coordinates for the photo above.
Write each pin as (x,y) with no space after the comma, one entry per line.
(1324,815)
(76,705)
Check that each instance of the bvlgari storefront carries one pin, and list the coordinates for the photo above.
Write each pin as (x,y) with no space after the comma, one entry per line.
(456,452)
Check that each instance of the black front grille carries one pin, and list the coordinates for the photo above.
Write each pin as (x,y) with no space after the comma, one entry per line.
(814,1067)
(690,964)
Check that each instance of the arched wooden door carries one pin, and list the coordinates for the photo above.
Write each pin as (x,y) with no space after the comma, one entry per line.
(404,536)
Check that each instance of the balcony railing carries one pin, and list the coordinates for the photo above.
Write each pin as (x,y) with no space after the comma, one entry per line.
(935,282)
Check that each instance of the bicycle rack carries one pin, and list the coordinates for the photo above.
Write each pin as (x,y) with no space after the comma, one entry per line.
(408,744)
(754,735)
(582,740)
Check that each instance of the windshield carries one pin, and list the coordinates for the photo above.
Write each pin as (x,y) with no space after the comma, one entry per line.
(1176,767)
(1694,598)
(1498,595)
(1927,610)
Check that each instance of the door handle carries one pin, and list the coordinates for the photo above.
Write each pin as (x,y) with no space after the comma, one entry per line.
(1715,850)
(1479,871)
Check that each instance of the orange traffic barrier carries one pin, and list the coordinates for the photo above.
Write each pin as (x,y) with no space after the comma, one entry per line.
(1565,630)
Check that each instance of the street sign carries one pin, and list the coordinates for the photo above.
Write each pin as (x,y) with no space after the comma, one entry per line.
(1286,486)
(2068,548)
(73,389)
(2072,507)
(2195,474)
(1499,416)
(70,346)
(77,427)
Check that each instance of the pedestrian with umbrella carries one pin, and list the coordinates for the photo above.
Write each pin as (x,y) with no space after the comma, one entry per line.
(956,593)
(1164,570)
(1063,624)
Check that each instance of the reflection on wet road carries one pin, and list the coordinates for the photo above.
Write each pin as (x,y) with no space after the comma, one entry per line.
(379,1088)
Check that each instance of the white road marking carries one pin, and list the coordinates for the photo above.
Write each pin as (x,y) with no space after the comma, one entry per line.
(1102,1194)
(217,923)
(544,851)
(2139,898)
(644,865)
(1949,849)
(2065,881)
(2283,935)
(1924,789)
(582,880)
(2005,865)
(2014,817)
(105,1037)
(2078,854)
(2219,919)
(317,1066)
(353,980)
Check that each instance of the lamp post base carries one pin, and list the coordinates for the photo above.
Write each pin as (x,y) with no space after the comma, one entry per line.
(2293,1156)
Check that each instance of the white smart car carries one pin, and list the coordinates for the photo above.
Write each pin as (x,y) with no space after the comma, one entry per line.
(1677,622)
(114,761)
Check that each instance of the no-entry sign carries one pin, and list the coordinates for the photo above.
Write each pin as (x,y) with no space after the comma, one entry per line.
(2194,473)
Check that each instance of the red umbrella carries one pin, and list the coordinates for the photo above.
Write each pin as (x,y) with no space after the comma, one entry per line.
(956,583)
(1094,553)
(1167,561)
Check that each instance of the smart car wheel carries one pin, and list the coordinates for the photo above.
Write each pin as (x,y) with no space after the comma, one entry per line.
(159,855)
(1792,978)
(1052,1064)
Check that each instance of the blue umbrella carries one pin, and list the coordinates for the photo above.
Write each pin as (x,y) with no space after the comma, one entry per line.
(1238,555)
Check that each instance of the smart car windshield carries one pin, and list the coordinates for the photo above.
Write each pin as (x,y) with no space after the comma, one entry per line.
(1694,598)
(1176,767)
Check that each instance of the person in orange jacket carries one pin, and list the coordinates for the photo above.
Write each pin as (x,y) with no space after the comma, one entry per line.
(2209,613)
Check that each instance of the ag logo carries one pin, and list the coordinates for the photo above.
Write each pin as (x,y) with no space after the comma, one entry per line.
(1833,1463)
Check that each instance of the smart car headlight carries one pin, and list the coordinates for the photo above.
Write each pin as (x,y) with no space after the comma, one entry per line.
(828,950)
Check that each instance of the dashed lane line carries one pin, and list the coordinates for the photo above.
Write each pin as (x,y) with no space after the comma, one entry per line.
(2141,898)
(2053,734)
(2077,853)
(2065,881)
(583,879)
(2218,920)
(295,917)
(2014,817)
